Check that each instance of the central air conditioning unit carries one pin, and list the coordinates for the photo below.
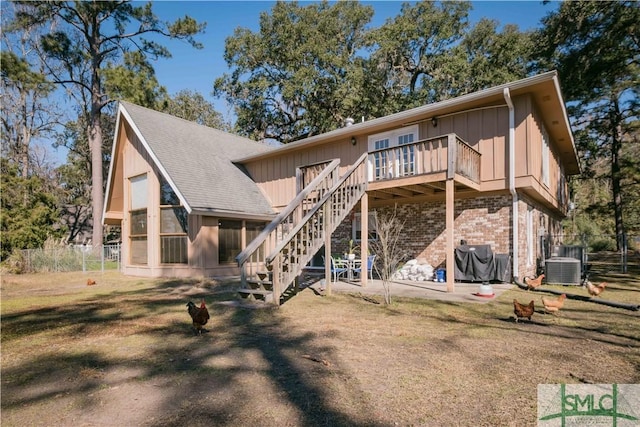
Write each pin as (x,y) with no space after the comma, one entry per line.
(562,271)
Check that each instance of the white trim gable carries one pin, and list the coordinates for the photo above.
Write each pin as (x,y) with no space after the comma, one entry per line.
(122,110)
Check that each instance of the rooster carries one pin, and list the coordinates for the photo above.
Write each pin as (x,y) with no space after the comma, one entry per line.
(553,305)
(522,311)
(595,290)
(199,316)
(533,283)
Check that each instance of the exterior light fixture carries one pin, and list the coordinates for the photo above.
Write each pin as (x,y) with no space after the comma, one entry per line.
(434,121)
(353,140)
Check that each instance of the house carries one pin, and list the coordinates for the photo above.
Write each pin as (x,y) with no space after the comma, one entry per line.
(490,167)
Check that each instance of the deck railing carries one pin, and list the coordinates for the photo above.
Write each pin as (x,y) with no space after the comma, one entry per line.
(446,153)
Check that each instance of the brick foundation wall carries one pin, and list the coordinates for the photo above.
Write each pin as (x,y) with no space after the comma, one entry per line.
(484,220)
(479,221)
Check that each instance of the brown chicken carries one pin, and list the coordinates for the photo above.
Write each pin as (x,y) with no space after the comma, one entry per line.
(533,283)
(521,311)
(595,290)
(199,316)
(552,305)
(91,282)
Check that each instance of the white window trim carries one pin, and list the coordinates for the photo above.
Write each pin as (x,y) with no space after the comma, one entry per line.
(393,137)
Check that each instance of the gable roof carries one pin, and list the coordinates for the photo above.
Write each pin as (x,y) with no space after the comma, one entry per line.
(196,161)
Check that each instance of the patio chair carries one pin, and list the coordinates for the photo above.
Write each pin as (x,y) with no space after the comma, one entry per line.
(370,261)
(338,268)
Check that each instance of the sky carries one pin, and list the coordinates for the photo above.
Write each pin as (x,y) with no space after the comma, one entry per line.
(196,70)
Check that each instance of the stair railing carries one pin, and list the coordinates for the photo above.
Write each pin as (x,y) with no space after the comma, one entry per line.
(292,254)
(251,259)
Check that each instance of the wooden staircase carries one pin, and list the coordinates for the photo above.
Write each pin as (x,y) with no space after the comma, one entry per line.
(272,263)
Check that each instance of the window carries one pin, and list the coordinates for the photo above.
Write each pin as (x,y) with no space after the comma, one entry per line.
(381,162)
(229,240)
(356,227)
(173,227)
(407,155)
(545,157)
(138,220)
(393,153)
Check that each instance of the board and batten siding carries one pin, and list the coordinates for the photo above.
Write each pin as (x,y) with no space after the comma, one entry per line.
(276,176)
(485,128)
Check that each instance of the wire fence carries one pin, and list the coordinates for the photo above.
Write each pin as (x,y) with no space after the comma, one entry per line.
(622,252)
(71,258)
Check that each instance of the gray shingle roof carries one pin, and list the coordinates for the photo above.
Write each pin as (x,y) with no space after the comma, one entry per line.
(198,160)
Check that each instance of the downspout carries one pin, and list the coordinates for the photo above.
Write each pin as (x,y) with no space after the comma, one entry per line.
(512,180)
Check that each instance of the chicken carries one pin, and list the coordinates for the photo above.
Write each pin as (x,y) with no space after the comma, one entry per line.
(533,283)
(199,316)
(595,290)
(522,311)
(553,305)
(91,282)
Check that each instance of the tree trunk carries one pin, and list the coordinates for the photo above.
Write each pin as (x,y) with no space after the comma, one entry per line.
(95,142)
(616,175)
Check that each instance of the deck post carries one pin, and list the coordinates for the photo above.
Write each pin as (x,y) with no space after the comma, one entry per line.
(364,239)
(328,277)
(449,214)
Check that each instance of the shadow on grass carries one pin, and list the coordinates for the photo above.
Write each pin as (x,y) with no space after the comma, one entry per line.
(164,351)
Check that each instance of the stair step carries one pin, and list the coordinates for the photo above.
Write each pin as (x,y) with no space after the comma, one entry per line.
(264,275)
(254,291)
(259,284)
(256,294)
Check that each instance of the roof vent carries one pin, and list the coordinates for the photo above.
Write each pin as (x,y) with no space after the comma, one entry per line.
(348,121)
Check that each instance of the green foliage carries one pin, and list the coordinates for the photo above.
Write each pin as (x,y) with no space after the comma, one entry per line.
(602,244)
(84,56)
(17,71)
(594,45)
(134,81)
(298,75)
(310,67)
(28,211)
(194,107)
(415,46)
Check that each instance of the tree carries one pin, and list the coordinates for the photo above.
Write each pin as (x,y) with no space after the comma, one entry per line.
(595,47)
(414,47)
(299,75)
(27,113)
(386,247)
(90,35)
(194,107)
(28,207)
(486,57)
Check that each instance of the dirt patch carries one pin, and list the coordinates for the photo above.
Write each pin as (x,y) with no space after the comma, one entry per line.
(122,352)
